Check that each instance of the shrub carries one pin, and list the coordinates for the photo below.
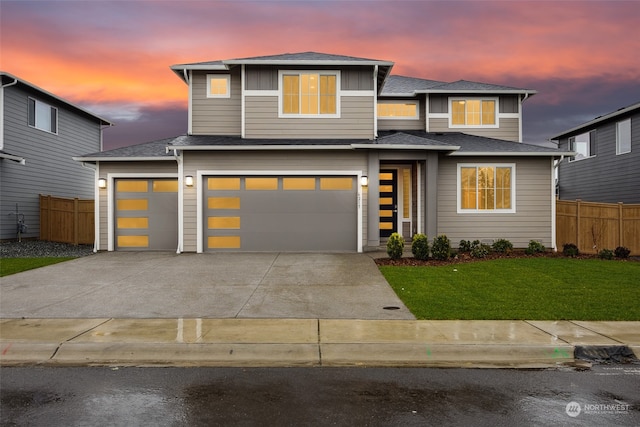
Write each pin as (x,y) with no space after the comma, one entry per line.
(622,252)
(502,246)
(534,248)
(480,250)
(395,246)
(605,254)
(420,246)
(464,246)
(441,248)
(570,250)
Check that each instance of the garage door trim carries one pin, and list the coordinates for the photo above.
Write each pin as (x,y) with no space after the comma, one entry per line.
(201,174)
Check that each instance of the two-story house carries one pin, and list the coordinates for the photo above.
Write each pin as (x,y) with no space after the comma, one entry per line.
(319,152)
(606,167)
(39,134)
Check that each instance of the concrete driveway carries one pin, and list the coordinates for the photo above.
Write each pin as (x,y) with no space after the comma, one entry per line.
(230,285)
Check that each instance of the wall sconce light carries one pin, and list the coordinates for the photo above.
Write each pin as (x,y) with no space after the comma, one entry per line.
(102,183)
(364,180)
(188,181)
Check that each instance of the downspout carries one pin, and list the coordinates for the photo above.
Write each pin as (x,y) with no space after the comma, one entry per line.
(375,101)
(179,160)
(15,81)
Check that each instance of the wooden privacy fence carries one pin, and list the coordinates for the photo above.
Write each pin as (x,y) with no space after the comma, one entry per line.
(67,220)
(596,226)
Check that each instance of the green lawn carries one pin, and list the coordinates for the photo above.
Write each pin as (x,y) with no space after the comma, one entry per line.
(16,265)
(521,288)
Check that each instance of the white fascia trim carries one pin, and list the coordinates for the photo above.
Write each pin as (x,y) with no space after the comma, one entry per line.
(190,106)
(285,62)
(481,91)
(261,147)
(364,93)
(200,197)
(122,159)
(508,154)
(407,147)
(111,177)
(212,67)
(396,95)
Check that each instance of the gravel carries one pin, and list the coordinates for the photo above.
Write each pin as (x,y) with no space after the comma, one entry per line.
(38,248)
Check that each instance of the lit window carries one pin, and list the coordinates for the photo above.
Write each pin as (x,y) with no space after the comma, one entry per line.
(309,94)
(218,86)
(623,137)
(397,110)
(584,145)
(486,188)
(473,112)
(43,116)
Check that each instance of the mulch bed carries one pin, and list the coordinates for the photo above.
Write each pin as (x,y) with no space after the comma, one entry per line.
(467,258)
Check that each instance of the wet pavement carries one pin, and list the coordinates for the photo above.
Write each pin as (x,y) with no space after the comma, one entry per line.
(604,395)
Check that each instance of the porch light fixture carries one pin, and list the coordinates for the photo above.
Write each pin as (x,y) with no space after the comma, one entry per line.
(364,180)
(102,183)
(188,181)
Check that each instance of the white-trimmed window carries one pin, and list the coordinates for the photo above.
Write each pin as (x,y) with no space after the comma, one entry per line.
(398,110)
(473,112)
(43,116)
(309,93)
(487,188)
(218,86)
(584,145)
(623,137)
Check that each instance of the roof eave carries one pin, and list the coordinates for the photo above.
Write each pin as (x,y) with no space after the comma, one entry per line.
(306,62)
(407,147)
(596,121)
(122,159)
(513,153)
(257,147)
(480,91)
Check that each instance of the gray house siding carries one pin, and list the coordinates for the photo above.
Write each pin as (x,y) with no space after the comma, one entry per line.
(605,177)
(532,219)
(49,167)
(215,116)
(509,129)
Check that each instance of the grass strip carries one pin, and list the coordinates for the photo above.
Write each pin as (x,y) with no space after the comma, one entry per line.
(16,265)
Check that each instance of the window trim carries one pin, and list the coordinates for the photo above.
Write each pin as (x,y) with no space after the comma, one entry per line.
(35,116)
(618,151)
(592,141)
(496,101)
(218,76)
(390,101)
(282,114)
(460,210)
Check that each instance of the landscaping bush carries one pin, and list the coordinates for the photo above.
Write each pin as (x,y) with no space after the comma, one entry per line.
(395,246)
(534,248)
(605,254)
(420,246)
(441,248)
(502,246)
(570,250)
(464,246)
(479,250)
(622,252)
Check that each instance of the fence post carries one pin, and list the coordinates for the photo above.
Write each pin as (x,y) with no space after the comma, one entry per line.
(76,221)
(620,224)
(578,243)
(49,221)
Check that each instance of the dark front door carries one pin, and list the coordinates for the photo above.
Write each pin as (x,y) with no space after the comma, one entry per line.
(388,202)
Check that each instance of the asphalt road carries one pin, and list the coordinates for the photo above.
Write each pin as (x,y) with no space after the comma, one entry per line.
(605,395)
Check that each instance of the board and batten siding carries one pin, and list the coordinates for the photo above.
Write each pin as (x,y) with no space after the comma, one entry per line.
(215,116)
(50,168)
(141,169)
(252,161)
(266,77)
(606,177)
(355,121)
(531,221)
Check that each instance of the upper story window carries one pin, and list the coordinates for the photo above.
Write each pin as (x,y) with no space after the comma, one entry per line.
(218,86)
(623,137)
(43,116)
(486,188)
(584,145)
(313,93)
(473,112)
(398,110)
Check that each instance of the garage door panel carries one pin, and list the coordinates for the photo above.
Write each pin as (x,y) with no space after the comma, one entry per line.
(283,213)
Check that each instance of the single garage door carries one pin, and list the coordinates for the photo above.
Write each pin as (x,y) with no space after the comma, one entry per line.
(280,213)
(146,214)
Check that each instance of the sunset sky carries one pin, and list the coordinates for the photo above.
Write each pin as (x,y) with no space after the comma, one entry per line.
(113,57)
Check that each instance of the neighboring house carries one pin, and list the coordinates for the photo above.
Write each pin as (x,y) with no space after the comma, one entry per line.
(39,134)
(606,167)
(317,152)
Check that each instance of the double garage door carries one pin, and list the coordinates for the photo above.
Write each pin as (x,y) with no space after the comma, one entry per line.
(280,213)
(242,213)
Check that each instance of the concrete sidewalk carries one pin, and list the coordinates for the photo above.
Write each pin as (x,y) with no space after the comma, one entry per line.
(305,342)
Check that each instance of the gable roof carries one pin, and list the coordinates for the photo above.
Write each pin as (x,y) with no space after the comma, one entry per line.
(7,80)
(600,119)
(407,86)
